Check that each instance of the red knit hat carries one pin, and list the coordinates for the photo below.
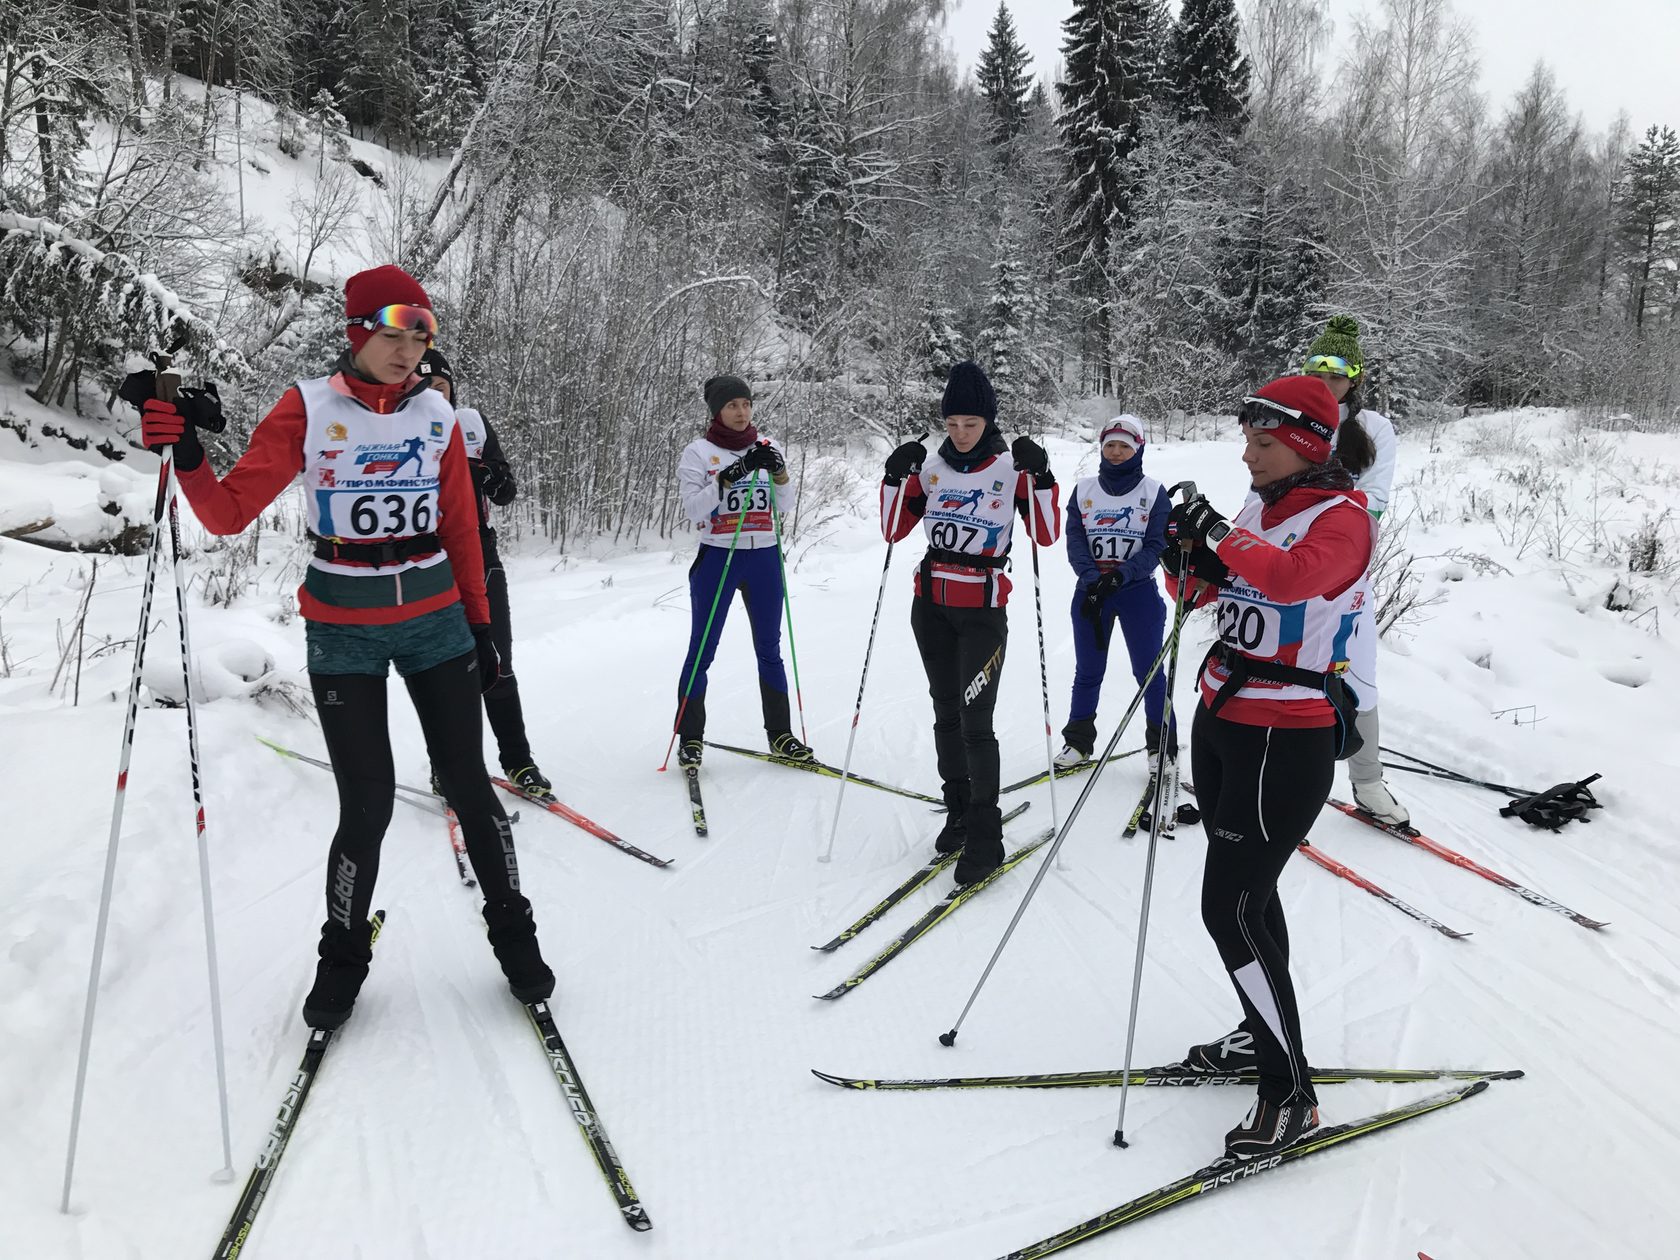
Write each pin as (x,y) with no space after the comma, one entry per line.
(369,291)
(1313,434)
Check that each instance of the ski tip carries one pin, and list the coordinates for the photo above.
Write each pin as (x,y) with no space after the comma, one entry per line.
(830,995)
(638,1221)
(1513,1074)
(830,1078)
(1475,1087)
(948,1039)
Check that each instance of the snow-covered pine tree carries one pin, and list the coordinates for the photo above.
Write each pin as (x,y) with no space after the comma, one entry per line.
(1110,67)
(1206,68)
(1649,225)
(1003,77)
(942,344)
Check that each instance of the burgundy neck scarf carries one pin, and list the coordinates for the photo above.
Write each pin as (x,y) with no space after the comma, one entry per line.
(730,439)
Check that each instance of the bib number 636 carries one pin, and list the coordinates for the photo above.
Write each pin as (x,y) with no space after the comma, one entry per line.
(375,514)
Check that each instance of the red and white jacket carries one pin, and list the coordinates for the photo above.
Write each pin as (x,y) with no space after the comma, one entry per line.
(1298,572)
(968,514)
(280,450)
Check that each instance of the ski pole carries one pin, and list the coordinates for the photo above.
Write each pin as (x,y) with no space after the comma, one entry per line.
(868,652)
(787,604)
(1043,668)
(1434,771)
(1185,583)
(168,383)
(706,634)
(950,1038)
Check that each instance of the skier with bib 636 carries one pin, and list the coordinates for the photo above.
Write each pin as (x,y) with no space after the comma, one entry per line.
(396,577)
(966,496)
(1289,577)
(1116,531)
(493,483)
(734,487)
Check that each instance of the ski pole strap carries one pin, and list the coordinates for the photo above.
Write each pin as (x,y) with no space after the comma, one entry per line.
(1243,668)
(1557,806)
(391,551)
(960,560)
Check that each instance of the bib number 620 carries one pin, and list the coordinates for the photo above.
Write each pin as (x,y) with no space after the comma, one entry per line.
(1242,625)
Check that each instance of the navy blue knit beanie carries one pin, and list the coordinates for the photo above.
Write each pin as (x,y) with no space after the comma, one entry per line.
(968,392)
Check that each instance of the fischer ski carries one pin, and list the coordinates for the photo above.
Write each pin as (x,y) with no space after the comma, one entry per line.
(1411,835)
(933,916)
(921,877)
(1359,881)
(1135,820)
(578,820)
(588,1119)
(828,771)
(697,804)
(1170,1074)
(1227,1171)
(280,1134)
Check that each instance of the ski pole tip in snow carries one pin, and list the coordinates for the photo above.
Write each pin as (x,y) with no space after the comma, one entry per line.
(1120,1139)
(222,1176)
(948,1038)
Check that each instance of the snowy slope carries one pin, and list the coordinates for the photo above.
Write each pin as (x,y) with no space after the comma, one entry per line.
(437,1132)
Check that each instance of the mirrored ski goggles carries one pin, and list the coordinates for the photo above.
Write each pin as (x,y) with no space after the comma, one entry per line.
(407,318)
(1263,413)
(1333,365)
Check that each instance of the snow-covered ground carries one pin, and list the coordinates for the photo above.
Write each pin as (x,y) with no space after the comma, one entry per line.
(436,1129)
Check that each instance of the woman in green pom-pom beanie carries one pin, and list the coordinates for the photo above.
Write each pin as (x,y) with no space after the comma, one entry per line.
(1366,448)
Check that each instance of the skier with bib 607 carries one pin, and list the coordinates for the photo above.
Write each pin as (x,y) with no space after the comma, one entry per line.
(1289,577)
(966,496)
(397,578)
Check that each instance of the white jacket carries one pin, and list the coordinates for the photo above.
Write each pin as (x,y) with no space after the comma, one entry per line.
(1377,481)
(714,514)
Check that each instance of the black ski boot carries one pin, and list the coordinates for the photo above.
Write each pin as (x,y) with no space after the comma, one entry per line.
(983,853)
(954,834)
(1232,1053)
(345,955)
(531,781)
(513,935)
(785,746)
(689,752)
(1271,1127)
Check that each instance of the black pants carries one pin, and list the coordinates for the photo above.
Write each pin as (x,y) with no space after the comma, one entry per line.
(501,702)
(1260,788)
(352,708)
(962,651)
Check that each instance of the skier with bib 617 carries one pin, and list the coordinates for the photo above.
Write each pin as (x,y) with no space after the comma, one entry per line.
(1116,531)
(396,578)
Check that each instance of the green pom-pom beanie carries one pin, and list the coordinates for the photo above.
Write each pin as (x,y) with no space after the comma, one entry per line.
(1340,338)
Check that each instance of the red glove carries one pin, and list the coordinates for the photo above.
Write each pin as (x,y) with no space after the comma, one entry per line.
(161,423)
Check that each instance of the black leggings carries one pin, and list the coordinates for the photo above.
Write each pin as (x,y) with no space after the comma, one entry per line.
(501,702)
(352,708)
(1260,788)
(962,652)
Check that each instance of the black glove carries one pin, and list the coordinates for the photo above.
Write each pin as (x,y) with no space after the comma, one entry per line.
(1199,563)
(904,461)
(1097,594)
(738,471)
(766,457)
(498,484)
(201,407)
(1190,522)
(489,660)
(1030,457)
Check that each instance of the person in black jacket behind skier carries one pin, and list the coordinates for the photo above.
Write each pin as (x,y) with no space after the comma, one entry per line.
(494,483)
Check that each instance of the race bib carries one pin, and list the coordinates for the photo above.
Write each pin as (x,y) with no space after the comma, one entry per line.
(1254,628)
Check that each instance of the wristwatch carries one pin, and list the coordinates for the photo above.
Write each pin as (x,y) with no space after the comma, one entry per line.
(1218,533)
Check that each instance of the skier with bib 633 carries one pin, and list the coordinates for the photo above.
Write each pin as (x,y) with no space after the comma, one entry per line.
(966,496)
(493,483)
(1116,531)
(1289,578)
(734,487)
(396,577)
